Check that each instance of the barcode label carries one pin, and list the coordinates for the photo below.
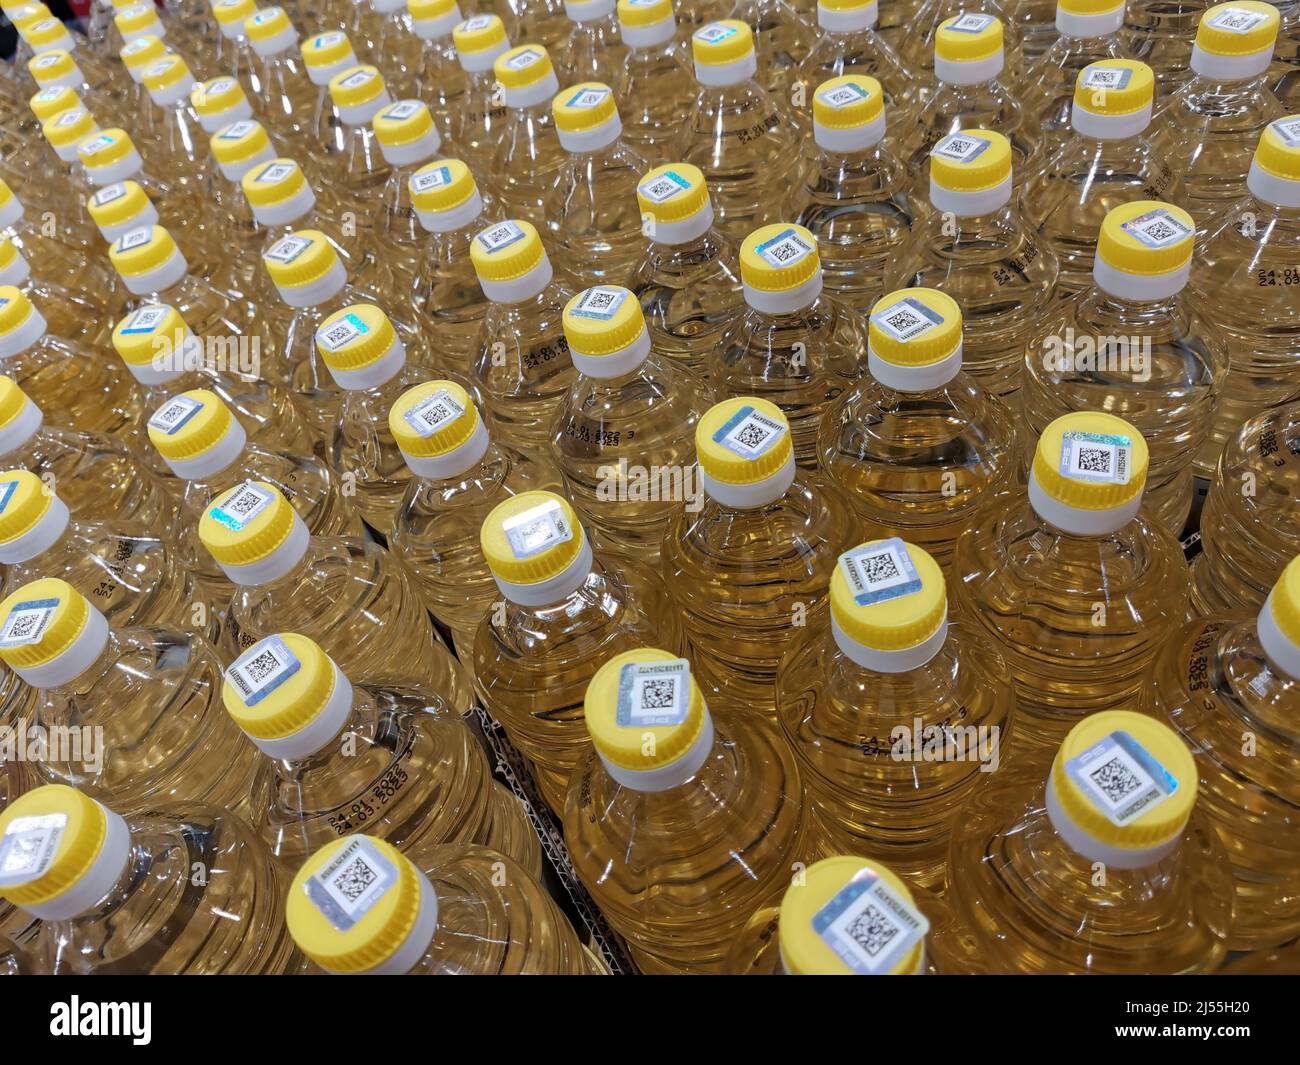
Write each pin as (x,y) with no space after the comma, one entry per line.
(960,147)
(172,415)
(69,118)
(1237,20)
(108,194)
(868,926)
(47,60)
(403,110)
(663,186)
(358,77)
(1289,130)
(478,22)
(161,67)
(27,622)
(537,529)
(436,178)
(351,883)
(237,130)
(326,40)
(843,96)
(601,303)
(1156,229)
(1106,77)
(288,249)
(29,846)
(1121,778)
(749,433)
(785,249)
(244,504)
(261,669)
(971,23)
(145,320)
(274,173)
(7,490)
(880,572)
(714,32)
(585,99)
(97,144)
(654,694)
(265,15)
(135,238)
(907,319)
(523,60)
(334,335)
(500,236)
(217,87)
(433,414)
(1096,457)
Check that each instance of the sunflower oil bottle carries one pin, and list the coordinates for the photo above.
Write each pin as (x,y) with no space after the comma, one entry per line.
(1228,684)
(528,158)
(624,435)
(593,49)
(592,207)
(1108,157)
(1248,272)
(333,756)
(137,57)
(409,140)
(480,41)
(1073,584)
(234,53)
(175,135)
(58,69)
(793,345)
(118,893)
(68,313)
(544,21)
(461,911)
(63,132)
(325,56)
(441,82)
(288,95)
(745,140)
(857,198)
(673,783)
(978,247)
(396,46)
(1099,861)
(686,280)
(1162,35)
(782,37)
(238,149)
(359,94)
(917,446)
(148,695)
(655,83)
(562,612)
(750,568)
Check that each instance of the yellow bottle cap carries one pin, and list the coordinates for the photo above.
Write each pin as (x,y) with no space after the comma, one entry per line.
(426,10)
(518,68)
(116,205)
(779,257)
(106,148)
(405,122)
(68,128)
(888,595)
(293,703)
(246,524)
(506,251)
(25,15)
(971,161)
(6,195)
(169,71)
(1146,237)
(51,66)
(13,400)
(266,25)
(721,43)
(1285,600)
(325,50)
(135,19)
(827,890)
(531,538)
(432,419)
(1088,7)
(239,141)
(232,14)
(81,826)
(139,55)
(1240,27)
(622,730)
(355,337)
(68,614)
(1115,87)
(8,256)
(272,183)
(302,258)
(673,192)
(217,96)
(136,337)
(639,13)
(1139,754)
(730,454)
(24,501)
(354,937)
(1278,151)
(142,251)
(583,107)
(478,34)
(914,327)
(1091,461)
(189,424)
(357,85)
(441,185)
(15,307)
(53,101)
(602,321)
(968,37)
(46,34)
(849,102)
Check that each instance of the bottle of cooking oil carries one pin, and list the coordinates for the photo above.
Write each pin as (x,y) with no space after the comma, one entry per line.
(326,55)
(220,102)
(235,55)
(1249,274)
(522,363)
(67,313)
(1105,840)
(175,134)
(527,157)
(654,81)
(346,593)
(396,46)
(782,37)
(971,94)
(1162,35)
(63,133)
(675,780)
(52,35)
(1137,344)
(289,96)
(624,436)
(793,345)
(592,207)
(339,755)
(916,45)
(1074,585)
(750,566)
(134,21)
(544,21)
(918,446)
(359,94)
(857,199)
(895,716)
(746,141)
(687,282)
(137,57)
(978,248)
(1108,157)
(1227,684)
(120,894)
(438,76)
(120,683)
(409,139)
(59,69)
(480,41)
(239,148)
(1214,122)
(593,49)
(458,910)
(458,475)
(563,612)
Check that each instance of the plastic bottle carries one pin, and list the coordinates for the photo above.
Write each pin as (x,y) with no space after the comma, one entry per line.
(437,73)
(918,447)
(409,139)
(592,49)
(52,35)
(238,149)
(396,47)
(782,37)
(750,568)
(289,96)
(1073,584)
(176,140)
(527,158)
(63,133)
(654,82)
(673,783)
(235,55)
(67,312)
(1161,35)
(480,41)
(137,57)
(325,56)
(564,611)
(59,68)
(359,94)
(916,44)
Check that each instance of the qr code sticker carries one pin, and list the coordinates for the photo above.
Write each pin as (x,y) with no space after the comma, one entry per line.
(241,506)
(403,110)
(1095,457)
(752,435)
(971,23)
(870,927)
(433,414)
(108,194)
(524,59)
(599,303)
(537,529)
(653,694)
(431,179)
(1095,460)
(586,99)
(880,571)
(1289,130)
(1237,20)
(274,173)
(261,669)
(658,694)
(359,77)
(23,627)
(175,413)
(843,95)
(872,930)
(1121,777)
(1116,781)
(879,568)
(784,249)
(498,237)
(352,881)
(236,130)
(289,249)
(713,33)
(667,184)
(135,238)
(959,148)
(1106,77)
(749,433)
(27,622)
(243,503)
(478,22)
(1156,229)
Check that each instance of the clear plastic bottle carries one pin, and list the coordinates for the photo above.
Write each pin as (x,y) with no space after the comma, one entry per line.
(68,313)
(438,76)
(132,21)
(793,345)
(1098,861)
(527,157)
(24,159)
(333,756)
(687,282)
(238,149)
(359,94)
(63,133)
(60,69)
(1230,686)
(895,716)
(783,36)
(235,55)
(918,447)
(481,115)
(1109,157)
(176,146)
(563,612)
(1073,584)
(592,49)
(1161,34)
(710,795)
(1248,275)
(916,45)
(289,96)
(396,47)
(1139,345)
(119,894)
(460,911)
(654,82)
(140,706)
(346,593)
(137,57)
(751,567)
(522,362)
(857,199)
(52,35)
(745,140)
(326,55)
(409,139)
(978,248)
(544,21)
(592,208)
(1213,123)
(624,435)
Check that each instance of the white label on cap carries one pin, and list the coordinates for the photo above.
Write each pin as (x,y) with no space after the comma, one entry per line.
(274,173)
(266,14)
(261,669)
(162,66)
(749,433)
(217,87)
(1237,20)
(601,302)
(1289,130)
(537,529)
(351,883)
(524,59)
(135,238)
(172,415)
(97,144)
(236,130)
(1106,77)
(47,60)
(498,237)
(972,23)
(653,694)
(288,249)
(960,147)
(27,622)
(29,847)
(334,335)
(714,32)
(69,118)
(879,572)
(245,503)
(1096,457)
(585,99)
(431,179)
(478,22)
(907,319)
(145,320)
(1121,778)
(108,194)
(785,249)
(1156,229)
(326,40)
(433,414)
(49,94)
(359,77)
(663,186)
(843,96)
(403,110)
(868,926)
